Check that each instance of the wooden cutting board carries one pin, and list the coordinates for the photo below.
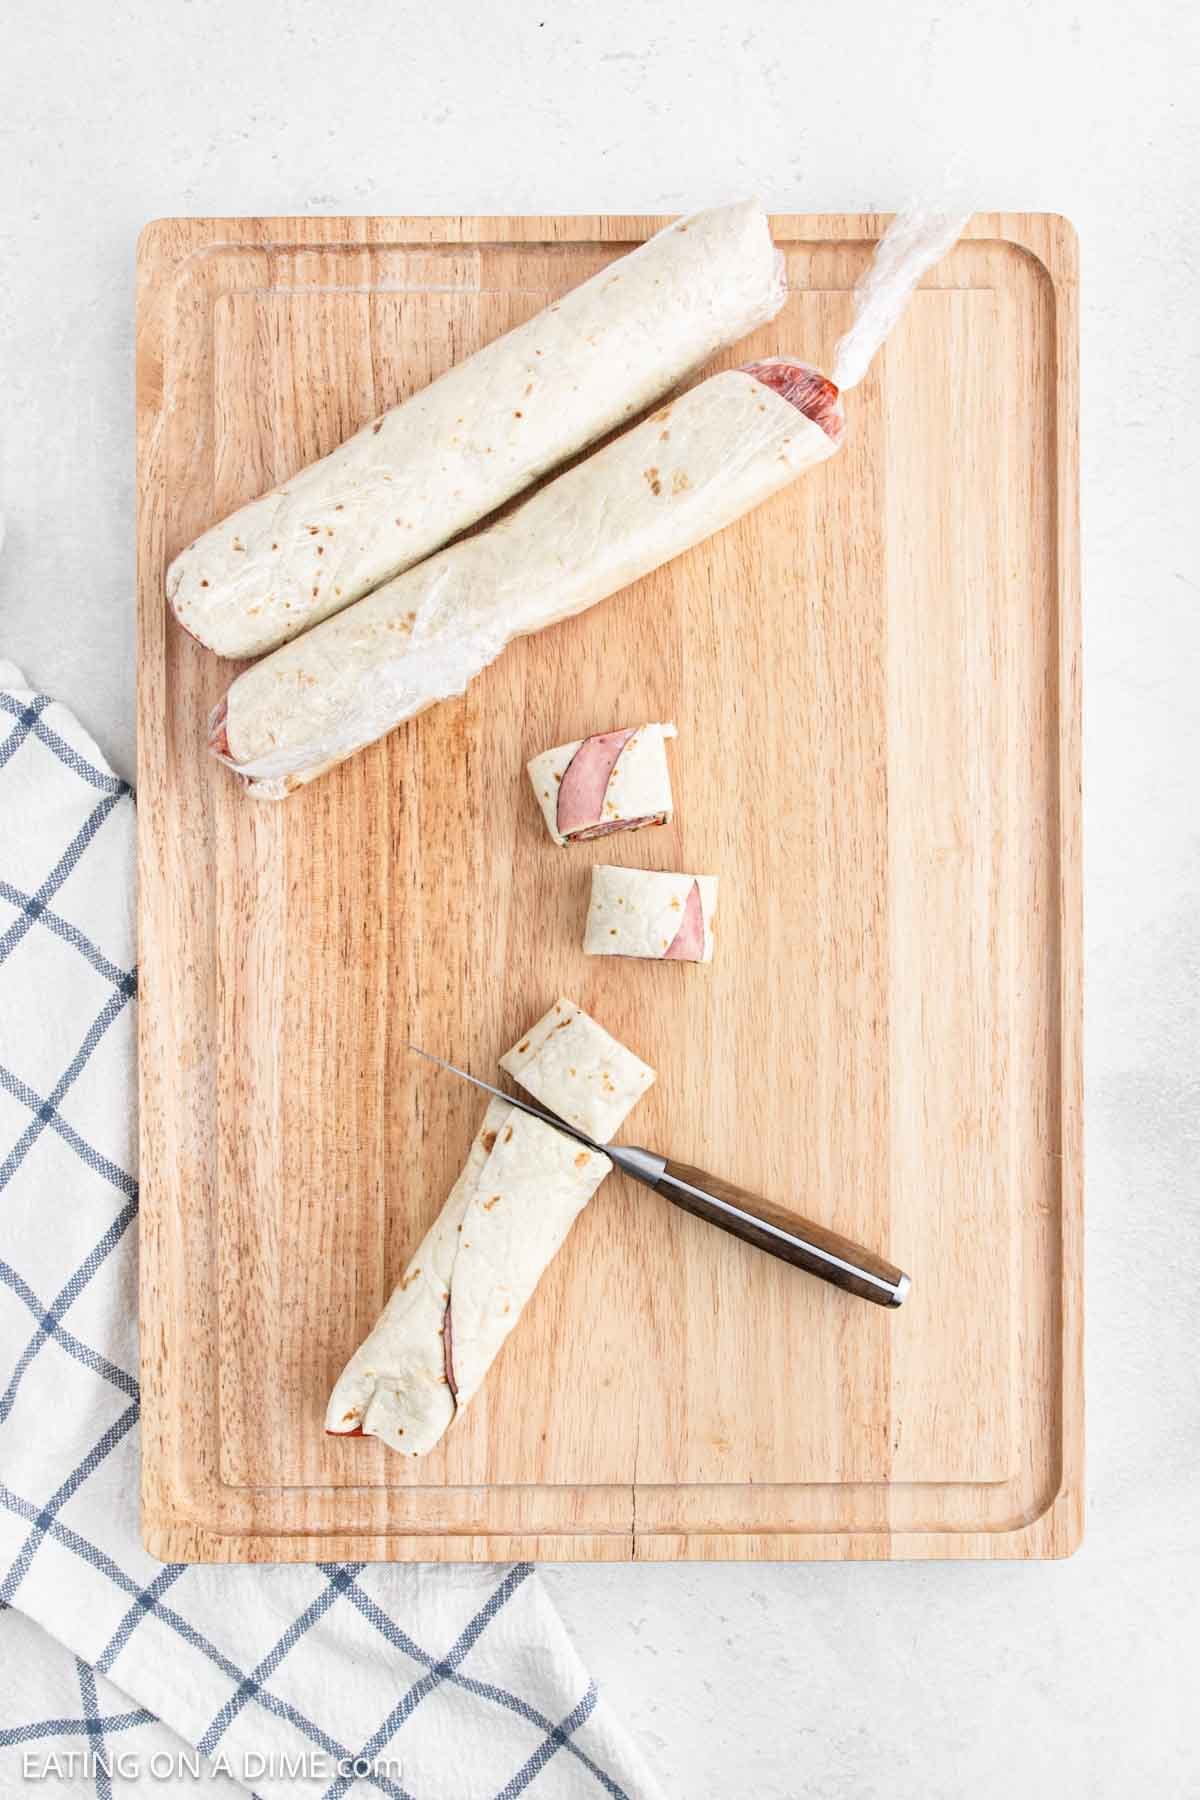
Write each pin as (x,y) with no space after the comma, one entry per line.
(876,683)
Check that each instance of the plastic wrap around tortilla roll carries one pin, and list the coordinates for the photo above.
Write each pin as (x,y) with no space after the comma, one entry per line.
(650,913)
(662,487)
(522,1187)
(612,781)
(411,480)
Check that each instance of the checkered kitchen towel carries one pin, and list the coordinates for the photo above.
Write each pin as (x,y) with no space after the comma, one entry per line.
(439,1683)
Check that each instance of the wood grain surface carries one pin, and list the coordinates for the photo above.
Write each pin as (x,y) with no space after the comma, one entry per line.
(876,683)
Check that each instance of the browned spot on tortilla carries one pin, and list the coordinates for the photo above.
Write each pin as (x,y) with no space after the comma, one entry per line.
(340,507)
(518,415)
(652,477)
(675,902)
(663,436)
(411,1277)
(679,482)
(352,1414)
(581,1159)
(313,530)
(489,1141)
(521,1048)
(320,549)
(488,1204)
(377,426)
(204,584)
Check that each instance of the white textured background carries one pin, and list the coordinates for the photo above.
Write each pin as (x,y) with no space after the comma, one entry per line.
(914,1682)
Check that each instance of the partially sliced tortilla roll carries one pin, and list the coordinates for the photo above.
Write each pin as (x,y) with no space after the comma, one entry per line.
(579,1071)
(612,781)
(411,480)
(522,1187)
(650,913)
(662,487)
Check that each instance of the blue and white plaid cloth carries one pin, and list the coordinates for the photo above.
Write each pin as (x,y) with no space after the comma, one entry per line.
(117,1673)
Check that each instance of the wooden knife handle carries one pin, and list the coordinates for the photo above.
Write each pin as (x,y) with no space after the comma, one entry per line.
(800,1242)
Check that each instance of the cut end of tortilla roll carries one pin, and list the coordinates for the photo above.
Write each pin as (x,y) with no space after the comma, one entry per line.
(218,739)
(805,388)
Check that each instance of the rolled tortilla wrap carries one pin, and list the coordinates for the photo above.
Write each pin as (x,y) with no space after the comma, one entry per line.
(650,913)
(662,487)
(613,781)
(411,480)
(577,1069)
(522,1186)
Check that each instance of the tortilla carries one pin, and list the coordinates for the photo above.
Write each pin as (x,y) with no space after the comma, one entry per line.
(662,487)
(613,781)
(522,1187)
(650,913)
(579,1071)
(418,475)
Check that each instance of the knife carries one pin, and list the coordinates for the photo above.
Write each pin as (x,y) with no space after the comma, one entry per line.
(802,1243)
